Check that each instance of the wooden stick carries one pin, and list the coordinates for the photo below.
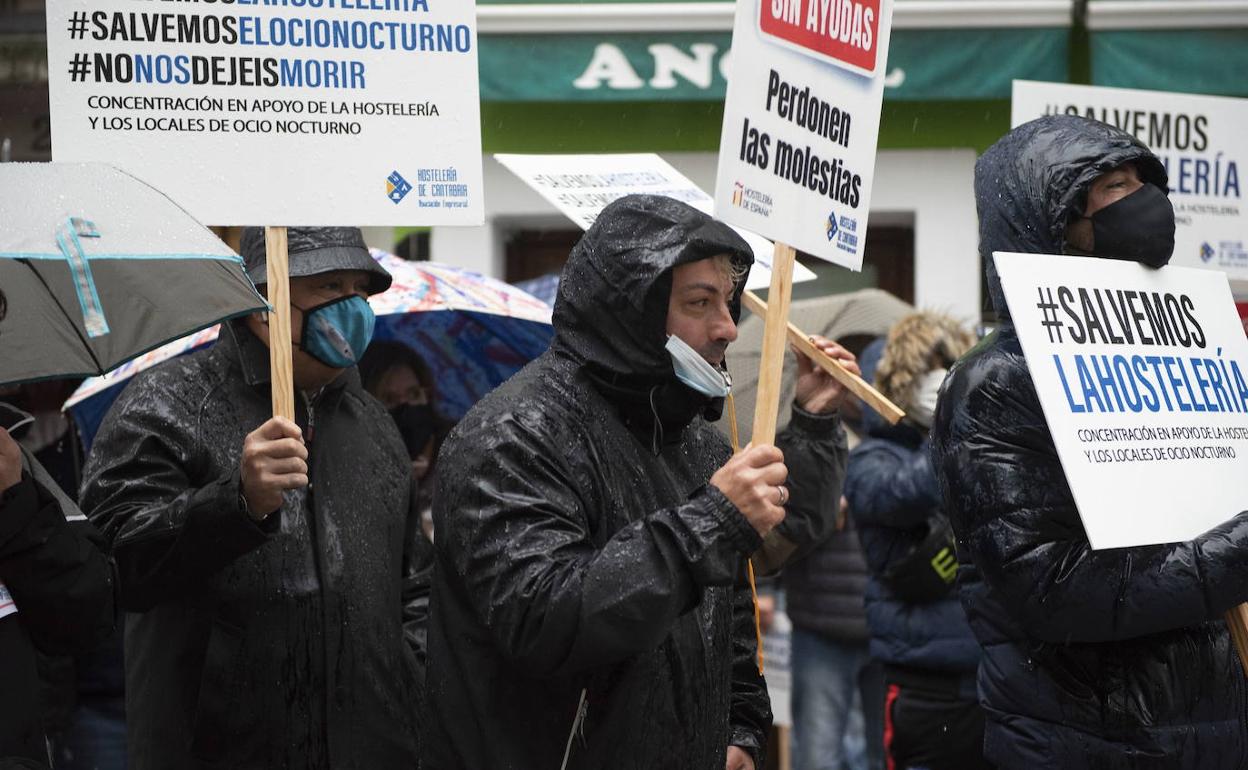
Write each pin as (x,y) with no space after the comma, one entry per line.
(771,365)
(860,387)
(279,322)
(1237,620)
(783,757)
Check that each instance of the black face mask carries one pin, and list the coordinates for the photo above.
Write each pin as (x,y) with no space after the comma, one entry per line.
(415,423)
(1139,228)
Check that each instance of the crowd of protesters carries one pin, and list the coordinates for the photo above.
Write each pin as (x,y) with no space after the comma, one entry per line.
(562,580)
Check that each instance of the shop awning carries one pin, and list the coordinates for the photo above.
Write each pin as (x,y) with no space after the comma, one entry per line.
(1194,46)
(593,52)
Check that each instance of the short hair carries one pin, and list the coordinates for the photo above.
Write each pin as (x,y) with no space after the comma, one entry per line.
(727,266)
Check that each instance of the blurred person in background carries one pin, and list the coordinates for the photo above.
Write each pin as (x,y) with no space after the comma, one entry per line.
(823,598)
(397,377)
(919,632)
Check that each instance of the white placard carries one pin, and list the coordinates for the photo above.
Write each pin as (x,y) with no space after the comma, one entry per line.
(7,605)
(801,122)
(1200,139)
(580,186)
(1143,376)
(350,112)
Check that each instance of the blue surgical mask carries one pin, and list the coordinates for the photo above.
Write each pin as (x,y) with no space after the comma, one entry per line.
(694,371)
(337,332)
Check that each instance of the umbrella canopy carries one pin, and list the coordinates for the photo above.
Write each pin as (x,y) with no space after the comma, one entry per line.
(835,316)
(544,287)
(97,267)
(473,332)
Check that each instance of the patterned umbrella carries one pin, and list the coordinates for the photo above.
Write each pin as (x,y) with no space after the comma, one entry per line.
(473,332)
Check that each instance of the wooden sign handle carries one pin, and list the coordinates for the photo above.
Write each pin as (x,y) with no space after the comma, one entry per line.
(771,365)
(858,386)
(279,322)
(1237,620)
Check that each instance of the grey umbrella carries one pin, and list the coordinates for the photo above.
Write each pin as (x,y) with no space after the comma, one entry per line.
(868,311)
(97,267)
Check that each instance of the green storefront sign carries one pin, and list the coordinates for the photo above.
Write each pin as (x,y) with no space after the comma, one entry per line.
(923,65)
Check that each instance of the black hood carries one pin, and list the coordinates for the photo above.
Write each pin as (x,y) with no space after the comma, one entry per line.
(611,312)
(1030,184)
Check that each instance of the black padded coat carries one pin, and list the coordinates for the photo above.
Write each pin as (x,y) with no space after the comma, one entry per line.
(1108,660)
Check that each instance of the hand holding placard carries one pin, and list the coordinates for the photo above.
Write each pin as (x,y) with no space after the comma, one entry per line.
(860,387)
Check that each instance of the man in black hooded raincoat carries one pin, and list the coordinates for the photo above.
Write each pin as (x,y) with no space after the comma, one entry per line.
(274,573)
(1107,660)
(590,607)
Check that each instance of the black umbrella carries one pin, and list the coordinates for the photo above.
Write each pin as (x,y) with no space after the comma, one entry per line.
(96,267)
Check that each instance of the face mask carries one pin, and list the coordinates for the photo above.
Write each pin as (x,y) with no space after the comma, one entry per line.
(337,332)
(415,423)
(928,388)
(1139,228)
(693,370)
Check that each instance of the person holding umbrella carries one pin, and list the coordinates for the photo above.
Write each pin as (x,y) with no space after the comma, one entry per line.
(56,587)
(274,571)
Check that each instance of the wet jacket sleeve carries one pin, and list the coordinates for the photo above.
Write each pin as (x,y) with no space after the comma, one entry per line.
(750,716)
(814,450)
(1012,508)
(57,571)
(512,527)
(417,576)
(168,532)
(886,489)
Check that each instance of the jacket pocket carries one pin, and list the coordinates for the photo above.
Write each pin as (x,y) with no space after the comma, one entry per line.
(217,708)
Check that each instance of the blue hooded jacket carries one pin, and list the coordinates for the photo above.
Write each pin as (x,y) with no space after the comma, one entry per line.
(892,492)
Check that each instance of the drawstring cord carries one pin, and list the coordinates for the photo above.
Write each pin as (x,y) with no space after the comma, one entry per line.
(656,433)
(758,619)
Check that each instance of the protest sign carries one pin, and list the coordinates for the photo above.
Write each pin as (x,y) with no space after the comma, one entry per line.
(1143,377)
(1201,141)
(580,186)
(351,112)
(7,605)
(801,122)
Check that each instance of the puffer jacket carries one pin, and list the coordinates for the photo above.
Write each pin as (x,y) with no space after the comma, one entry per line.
(1108,660)
(587,574)
(892,494)
(294,643)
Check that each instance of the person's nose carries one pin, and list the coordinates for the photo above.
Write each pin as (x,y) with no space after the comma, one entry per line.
(725,328)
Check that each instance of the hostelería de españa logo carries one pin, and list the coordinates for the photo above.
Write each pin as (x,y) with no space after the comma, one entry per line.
(843,32)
